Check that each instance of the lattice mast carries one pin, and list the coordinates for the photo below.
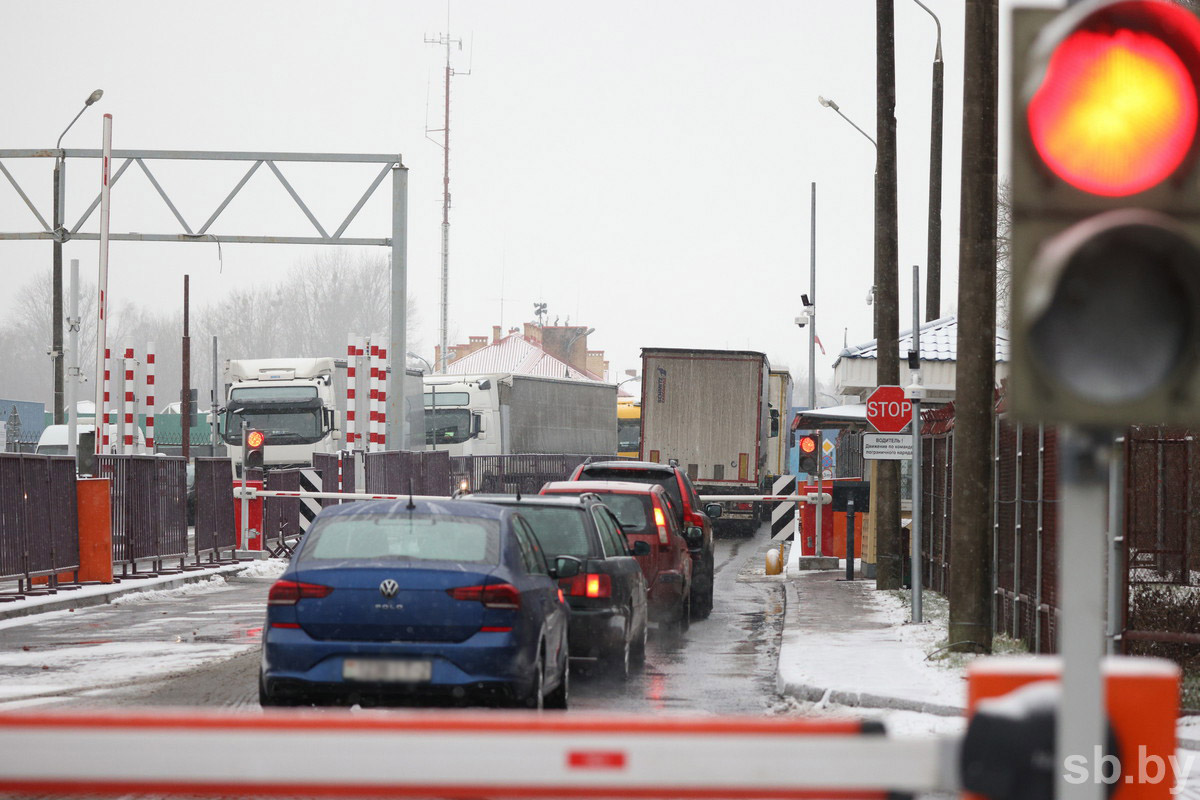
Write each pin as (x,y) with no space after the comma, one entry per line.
(445,40)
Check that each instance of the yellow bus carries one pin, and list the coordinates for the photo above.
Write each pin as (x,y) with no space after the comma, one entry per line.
(629,426)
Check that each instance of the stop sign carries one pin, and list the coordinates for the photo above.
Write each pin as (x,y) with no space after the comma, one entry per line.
(887,409)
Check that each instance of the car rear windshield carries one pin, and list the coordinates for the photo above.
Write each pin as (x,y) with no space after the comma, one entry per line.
(633,511)
(404,537)
(560,531)
(667,480)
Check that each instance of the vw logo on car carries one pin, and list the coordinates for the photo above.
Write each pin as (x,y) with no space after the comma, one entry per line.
(389,588)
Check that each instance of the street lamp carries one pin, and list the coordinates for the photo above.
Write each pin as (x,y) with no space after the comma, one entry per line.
(428,366)
(827,103)
(933,274)
(571,343)
(60,235)
(831,104)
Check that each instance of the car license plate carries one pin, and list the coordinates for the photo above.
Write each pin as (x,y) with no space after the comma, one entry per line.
(380,670)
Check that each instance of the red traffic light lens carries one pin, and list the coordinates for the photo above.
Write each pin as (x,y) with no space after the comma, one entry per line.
(255,439)
(808,444)
(1116,112)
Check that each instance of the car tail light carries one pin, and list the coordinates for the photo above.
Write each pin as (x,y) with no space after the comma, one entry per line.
(660,519)
(591,584)
(288,593)
(492,595)
(745,506)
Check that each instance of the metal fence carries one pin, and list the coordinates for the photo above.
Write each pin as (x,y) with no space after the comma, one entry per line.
(149,510)
(215,529)
(403,471)
(1162,551)
(38,521)
(517,473)
(1157,560)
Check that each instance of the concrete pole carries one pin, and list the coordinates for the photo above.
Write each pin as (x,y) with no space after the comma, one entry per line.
(915,393)
(73,372)
(397,417)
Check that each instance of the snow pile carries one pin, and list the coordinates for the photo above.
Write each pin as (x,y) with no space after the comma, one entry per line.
(267,568)
(213,583)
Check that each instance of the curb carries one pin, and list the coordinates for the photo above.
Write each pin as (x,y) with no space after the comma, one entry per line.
(812,693)
(69,599)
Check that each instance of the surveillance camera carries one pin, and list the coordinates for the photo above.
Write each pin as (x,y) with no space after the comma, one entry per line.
(801,321)
(870,295)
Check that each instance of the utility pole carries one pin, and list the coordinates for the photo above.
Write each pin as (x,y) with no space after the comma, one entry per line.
(444,40)
(974,391)
(933,267)
(887,289)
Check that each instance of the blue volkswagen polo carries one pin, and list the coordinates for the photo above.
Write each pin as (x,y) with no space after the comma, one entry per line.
(393,600)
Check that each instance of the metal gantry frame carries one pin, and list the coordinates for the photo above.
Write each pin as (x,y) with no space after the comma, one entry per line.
(397,242)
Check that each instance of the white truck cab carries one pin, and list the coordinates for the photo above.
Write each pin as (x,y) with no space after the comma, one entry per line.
(291,400)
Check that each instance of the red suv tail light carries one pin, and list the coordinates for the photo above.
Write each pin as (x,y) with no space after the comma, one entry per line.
(660,520)
(288,593)
(589,584)
(492,595)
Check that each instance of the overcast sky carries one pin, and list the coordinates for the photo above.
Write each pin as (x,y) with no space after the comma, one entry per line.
(643,168)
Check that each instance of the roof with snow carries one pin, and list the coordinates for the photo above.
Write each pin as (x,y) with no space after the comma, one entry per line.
(514,353)
(939,342)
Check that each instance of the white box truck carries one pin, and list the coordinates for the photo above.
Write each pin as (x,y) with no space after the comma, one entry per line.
(707,410)
(779,435)
(291,400)
(507,413)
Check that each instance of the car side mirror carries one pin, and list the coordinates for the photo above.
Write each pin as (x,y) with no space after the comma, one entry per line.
(694,536)
(566,567)
(713,510)
(641,548)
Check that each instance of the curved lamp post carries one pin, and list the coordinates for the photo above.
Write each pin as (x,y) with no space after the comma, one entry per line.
(60,235)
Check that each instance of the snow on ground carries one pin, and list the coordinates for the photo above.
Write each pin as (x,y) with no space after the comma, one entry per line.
(36,673)
(212,584)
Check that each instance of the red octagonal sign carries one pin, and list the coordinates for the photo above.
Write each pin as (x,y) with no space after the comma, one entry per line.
(888,410)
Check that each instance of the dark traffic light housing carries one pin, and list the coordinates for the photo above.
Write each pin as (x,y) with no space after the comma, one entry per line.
(809,455)
(1106,214)
(255,442)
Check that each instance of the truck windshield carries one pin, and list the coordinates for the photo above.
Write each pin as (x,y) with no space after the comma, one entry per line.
(447,425)
(301,426)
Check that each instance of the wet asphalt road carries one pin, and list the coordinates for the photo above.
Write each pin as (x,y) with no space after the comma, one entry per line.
(202,650)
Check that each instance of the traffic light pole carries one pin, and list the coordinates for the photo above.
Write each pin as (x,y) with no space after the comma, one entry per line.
(1083,482)
(245,537)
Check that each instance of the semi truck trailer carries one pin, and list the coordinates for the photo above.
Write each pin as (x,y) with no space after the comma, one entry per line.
(707,410)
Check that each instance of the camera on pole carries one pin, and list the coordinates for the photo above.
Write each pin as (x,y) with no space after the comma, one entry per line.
(1106,214)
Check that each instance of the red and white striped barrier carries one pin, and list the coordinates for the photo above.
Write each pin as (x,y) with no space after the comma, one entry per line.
(461,755)
(128,422)
(352,352)
(251,493)
(101,416)
(383,375)
(373,432)
(149,404)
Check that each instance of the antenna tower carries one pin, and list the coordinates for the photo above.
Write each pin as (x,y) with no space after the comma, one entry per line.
(445,40)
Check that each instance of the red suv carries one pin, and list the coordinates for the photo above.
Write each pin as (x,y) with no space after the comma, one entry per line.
(645,514)
(689,513)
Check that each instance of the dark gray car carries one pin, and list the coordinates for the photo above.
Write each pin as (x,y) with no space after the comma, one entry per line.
(609,612)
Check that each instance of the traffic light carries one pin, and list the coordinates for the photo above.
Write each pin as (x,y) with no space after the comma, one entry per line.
(1105,238)
(255,441)
(808,454)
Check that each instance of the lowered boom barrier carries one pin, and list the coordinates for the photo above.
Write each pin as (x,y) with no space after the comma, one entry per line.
(825,498)
(462,755)
(251,493)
